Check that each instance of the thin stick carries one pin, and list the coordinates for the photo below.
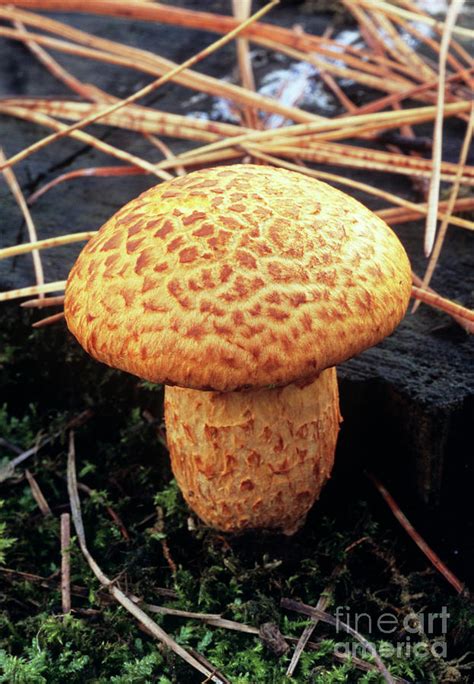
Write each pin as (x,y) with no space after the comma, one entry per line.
(218,23)
(42,303)
(352,123)
(242,10)
(133,117)
(442,304)
(18,195)
(26,247)
(85,90)
(396,215)
(113,514)
(299,607)
(433,193)
(57,286)
(166,151)
(8,469)
(322,604)
(392,9)
(449,209)
(6,444)
(38,495)
(417,538)
(87,138)
(101,171)
(49,320)
(467,325)
(66,562)
(124,600)
(40,144)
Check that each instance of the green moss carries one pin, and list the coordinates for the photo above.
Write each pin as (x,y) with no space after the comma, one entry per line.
(121,461)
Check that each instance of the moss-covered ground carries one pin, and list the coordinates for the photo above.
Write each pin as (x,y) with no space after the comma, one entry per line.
(165,556)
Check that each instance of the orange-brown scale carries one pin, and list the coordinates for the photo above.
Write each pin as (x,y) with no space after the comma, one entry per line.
(253,459)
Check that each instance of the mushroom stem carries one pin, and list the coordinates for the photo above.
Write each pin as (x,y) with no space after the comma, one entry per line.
(253,459)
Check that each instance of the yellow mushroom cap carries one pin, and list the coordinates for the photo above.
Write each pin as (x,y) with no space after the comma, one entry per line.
(237,277)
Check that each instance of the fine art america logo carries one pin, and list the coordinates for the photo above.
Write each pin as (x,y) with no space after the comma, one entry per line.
(419,634)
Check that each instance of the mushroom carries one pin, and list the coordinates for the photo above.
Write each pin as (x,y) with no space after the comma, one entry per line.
(240,288)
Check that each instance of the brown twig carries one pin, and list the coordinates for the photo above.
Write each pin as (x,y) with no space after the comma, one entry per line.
(166,151)
(442,304)
(63,130)
(315,613)
(112,514)
(322,604)
(38,495)
(222,623)
(142,60)
(397,215)
(85,90)
(392,9)
(124,600)
(66,562)
(417,538)
(49,320)
(104,171)
(43,303)
(467,325)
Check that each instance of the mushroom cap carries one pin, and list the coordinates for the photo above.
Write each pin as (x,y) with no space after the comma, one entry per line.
(237,277)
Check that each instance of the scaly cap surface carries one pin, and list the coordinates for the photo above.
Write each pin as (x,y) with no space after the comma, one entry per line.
(237,277)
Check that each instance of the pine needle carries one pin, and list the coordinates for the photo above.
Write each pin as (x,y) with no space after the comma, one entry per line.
(27,247)
(242,10)
(20,200)
(57,286)
(442,304)
(392,9)
(146,90)
(433,194)
(450,206)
